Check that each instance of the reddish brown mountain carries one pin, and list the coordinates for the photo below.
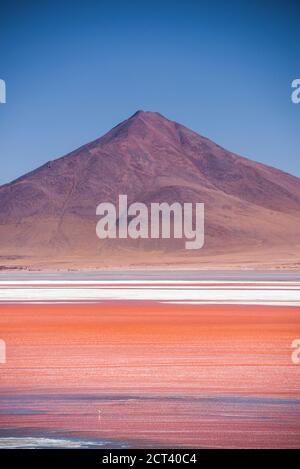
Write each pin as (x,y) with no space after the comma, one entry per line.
(47,217)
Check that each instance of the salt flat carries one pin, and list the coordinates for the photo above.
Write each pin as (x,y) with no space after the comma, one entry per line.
(176,291)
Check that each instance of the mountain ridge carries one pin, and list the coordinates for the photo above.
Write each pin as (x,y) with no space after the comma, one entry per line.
(52,208)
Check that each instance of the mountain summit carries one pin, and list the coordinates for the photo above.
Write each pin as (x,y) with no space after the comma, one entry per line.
(48,216)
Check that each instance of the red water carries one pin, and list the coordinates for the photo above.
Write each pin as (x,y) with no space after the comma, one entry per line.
(151,374)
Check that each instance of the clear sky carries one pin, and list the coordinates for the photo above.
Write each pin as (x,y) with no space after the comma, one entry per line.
(73,69)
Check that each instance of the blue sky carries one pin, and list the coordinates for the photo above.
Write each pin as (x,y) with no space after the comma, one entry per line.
(74,69)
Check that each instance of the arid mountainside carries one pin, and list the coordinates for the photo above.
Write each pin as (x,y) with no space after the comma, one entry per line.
(252,211)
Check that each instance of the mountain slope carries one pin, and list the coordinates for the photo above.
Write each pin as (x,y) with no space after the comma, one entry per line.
(51,211)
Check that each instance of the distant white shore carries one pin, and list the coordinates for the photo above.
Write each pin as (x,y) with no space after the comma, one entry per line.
(261,292)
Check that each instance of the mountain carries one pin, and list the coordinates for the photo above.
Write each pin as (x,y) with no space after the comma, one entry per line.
(252,211)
